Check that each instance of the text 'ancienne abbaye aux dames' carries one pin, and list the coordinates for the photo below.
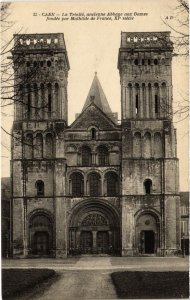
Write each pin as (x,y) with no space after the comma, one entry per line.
(96,186)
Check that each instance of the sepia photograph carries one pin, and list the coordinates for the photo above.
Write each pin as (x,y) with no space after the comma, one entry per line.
(94,150)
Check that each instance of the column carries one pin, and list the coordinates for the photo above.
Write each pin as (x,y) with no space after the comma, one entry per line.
(21,105)
(70,187)
(153,102)
(161,104)
(93,158)
(32,114)
(79,159)
(123,103)
(127,95)
(133,102)
(77,245)
(172,238)
(127,228)
(25,250)
(49,92)
(56,100)
(87,188)
(60,209)
(141,102)
(126,102)
(36,111)
(19,245)
(85,185)
(63,102)
(53,102)
(169,98)
(103,187)
(75,238)
(152,145)
(41,102)
(94,239)
(17,106)
(24,110)
(45,109)
(110,238)
(147,100)
(60,106)
(72,241)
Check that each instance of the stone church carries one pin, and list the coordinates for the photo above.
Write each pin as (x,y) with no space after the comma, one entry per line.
(96,186)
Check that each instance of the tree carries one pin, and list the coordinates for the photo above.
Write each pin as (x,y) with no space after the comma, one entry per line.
(15,76)
(179,26)
(180,30)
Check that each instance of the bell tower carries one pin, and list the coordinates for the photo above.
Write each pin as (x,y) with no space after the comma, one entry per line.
(150,188)
(38,161)
(41,69)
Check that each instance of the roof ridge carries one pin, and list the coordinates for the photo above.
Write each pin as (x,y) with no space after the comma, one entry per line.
(96,95)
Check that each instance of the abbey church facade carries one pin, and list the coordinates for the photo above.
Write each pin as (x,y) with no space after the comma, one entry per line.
(95,186)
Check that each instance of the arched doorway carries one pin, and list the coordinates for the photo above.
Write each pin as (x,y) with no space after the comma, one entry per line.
(94,229)
(40,235)
(147,233)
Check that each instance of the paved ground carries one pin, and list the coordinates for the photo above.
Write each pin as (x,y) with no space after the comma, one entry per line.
(89,277)
(103,263)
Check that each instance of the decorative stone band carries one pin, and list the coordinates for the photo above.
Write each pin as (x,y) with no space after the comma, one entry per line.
(39,41)
(146,40)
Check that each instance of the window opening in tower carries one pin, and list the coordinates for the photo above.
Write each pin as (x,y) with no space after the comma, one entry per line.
(156,104)
(137,104)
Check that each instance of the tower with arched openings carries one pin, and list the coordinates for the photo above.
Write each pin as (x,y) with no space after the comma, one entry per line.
(150,184)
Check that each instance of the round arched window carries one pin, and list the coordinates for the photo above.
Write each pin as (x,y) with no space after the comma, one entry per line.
(39,188)
(93,134)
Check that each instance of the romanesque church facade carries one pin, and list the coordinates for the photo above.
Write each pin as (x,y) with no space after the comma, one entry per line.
(95,186)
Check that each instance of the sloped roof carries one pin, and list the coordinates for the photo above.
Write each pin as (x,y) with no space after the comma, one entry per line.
(97,96)
(94,116)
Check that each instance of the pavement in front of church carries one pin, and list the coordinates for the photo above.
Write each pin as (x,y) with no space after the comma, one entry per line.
(88,277)
(150,263)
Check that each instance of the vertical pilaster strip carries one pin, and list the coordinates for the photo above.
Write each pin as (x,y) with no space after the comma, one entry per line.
(126,105)
(167,101)
(147,100)
(170,100)
(127,96)
(123,103)
(141,102)
(32,109)
(133,102)
(153,101)
(61,97)
(46,102)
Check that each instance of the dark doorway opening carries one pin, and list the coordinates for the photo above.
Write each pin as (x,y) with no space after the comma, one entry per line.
(185,244)
(86,242)
(103,241)
(149,241)
(41,243)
